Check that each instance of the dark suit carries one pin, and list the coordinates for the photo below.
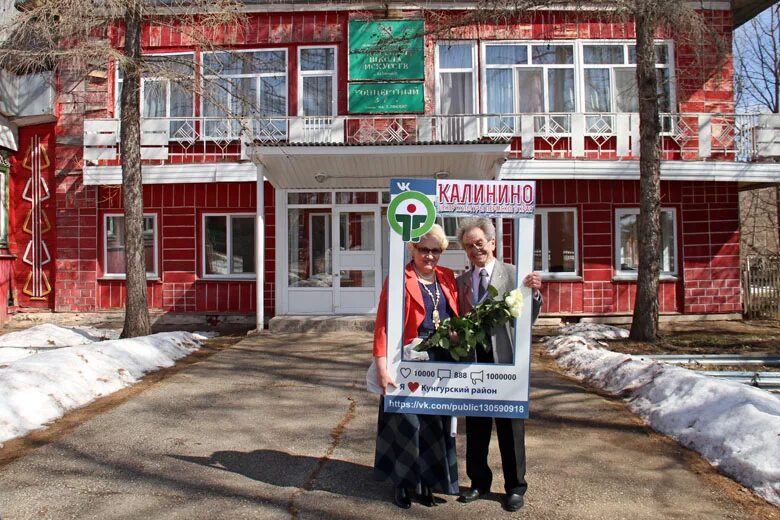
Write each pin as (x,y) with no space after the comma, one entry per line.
(511,432)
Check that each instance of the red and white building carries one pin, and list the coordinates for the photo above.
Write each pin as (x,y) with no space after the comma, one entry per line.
(281,209)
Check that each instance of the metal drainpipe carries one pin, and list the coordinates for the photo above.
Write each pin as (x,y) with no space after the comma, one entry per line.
(259,249)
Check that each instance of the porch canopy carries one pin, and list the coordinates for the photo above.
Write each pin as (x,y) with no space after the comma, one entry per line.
(372,167)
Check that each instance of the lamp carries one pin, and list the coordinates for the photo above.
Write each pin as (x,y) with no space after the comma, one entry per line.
(441,174)
(321,177)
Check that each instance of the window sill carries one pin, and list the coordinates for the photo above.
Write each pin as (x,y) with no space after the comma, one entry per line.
(252,278)
(560,277)
(121,277)
(631,277)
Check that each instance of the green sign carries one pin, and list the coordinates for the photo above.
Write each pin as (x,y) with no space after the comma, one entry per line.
(386,50)
(385,98)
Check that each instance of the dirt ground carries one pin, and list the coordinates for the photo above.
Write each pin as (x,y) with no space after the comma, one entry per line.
(15,448)
(703,337)
(757,338)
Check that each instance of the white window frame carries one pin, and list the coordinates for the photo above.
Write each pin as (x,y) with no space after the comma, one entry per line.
(528,65)
(229,244)
(472,71)
(328,218)
(144,79)
(256,76)
(452,239)
(150,275)
(559,275)
(632,275)
(319,73)
(626,65)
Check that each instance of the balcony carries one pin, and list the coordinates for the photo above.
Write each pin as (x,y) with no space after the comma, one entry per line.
(572,136)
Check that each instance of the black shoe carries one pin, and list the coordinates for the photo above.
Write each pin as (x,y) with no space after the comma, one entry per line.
(402,498)
(426,497)
(513,502)
(472,495)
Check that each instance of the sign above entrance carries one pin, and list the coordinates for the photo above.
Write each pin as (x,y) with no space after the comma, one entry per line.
(386,50)
(385,98)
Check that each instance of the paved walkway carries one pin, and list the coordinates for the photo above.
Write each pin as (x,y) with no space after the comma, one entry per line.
(279,427)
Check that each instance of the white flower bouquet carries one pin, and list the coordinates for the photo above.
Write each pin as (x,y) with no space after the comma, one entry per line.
(460,335)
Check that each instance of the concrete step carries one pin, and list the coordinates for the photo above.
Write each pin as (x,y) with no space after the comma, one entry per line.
(361,323)
(326,323)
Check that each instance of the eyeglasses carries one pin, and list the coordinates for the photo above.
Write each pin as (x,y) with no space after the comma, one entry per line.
(475,245)
(425,251)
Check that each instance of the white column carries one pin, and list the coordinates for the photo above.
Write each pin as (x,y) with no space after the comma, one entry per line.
(259,246)
(705,135)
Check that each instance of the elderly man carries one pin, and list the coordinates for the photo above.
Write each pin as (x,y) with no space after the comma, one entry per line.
(478,237)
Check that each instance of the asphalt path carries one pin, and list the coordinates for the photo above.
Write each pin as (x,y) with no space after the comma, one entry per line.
(279,427)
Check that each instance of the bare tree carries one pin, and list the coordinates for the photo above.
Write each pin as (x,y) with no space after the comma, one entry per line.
(651,18)
(757,89)
(77,38)
(690,29)
(757,62)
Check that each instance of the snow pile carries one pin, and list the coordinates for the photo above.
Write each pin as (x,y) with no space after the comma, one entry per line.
(594,331)
(39,388)
(12,354)
(18,345)
(735,426)
(54,336)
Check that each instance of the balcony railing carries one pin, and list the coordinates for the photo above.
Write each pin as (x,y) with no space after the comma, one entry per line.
(730,137)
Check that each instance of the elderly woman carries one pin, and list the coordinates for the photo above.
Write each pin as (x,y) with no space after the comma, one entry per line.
(416,452)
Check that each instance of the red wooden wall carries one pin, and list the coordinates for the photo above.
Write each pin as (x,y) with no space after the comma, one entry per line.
(179,209)
(708,279)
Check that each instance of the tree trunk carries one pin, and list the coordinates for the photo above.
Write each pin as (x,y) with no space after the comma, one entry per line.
(136,307)
(644,325)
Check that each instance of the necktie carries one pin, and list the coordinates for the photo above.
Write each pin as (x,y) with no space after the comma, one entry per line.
(483,285)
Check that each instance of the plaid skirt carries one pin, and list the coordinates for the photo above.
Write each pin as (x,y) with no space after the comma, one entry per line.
(416,450)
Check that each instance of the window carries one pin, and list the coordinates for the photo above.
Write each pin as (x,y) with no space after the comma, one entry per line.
(609,79)
(114,251)
(167,91)
(450,226)
(627,241)
(309,242)
(528,79)
(555,241)
(456,78)
(248,84)
(229,246)
(317,81)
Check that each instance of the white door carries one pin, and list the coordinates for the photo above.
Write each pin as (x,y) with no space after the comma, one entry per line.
(357,260)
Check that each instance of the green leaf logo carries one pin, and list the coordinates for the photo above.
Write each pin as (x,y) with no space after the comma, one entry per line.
(411,214)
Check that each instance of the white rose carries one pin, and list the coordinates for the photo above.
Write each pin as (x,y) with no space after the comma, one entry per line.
(514,301)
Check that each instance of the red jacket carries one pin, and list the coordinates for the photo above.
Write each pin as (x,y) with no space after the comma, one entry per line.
(413,306)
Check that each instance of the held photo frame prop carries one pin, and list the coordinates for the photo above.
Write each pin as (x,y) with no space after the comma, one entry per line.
(449,388)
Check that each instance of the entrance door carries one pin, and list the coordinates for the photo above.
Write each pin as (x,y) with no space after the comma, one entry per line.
(357,262)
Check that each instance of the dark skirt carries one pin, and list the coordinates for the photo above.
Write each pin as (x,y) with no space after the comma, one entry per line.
(416,450)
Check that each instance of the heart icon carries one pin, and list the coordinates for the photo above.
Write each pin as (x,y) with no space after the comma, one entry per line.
(413,386)
(406,371)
